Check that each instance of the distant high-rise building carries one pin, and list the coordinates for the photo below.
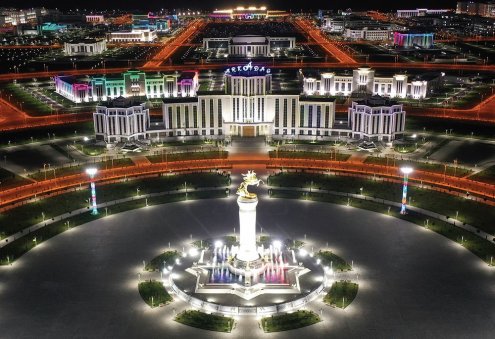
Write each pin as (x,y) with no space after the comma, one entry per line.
(485,9)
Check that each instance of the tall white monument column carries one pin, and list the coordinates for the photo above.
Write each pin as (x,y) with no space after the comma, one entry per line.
(247,223)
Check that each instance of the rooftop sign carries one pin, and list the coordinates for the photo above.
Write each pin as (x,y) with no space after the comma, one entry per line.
(248,70)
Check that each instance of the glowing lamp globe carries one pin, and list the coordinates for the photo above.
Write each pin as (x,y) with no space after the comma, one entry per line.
(91,171)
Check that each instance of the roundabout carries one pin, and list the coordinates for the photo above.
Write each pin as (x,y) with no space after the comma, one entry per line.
(412,282)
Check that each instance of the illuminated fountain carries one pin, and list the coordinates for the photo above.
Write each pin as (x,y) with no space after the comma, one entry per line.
(248,269)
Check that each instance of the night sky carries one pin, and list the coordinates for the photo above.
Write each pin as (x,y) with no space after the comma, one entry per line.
(274,4)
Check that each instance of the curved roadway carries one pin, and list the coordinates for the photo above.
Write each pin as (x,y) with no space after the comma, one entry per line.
(12,195)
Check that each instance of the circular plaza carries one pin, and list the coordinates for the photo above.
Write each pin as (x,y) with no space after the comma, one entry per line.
(413,282)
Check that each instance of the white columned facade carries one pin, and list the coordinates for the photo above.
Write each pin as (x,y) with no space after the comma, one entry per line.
(247,224)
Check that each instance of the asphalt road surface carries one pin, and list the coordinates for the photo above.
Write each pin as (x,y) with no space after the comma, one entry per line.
(83,283)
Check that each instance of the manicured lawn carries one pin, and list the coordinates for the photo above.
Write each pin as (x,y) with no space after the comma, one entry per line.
(29,214)
(341,294)
(482,248)
(309,155)
(17,137)
(488,175)
(9,179)
(423,166)
(30,104)
(406,147)
(289,321)
(17,248)
(52,173)
(210,322)
(92,150)
(164,259)
(470,211)
(154,293)
(332,260)
(458,127)
(188,156)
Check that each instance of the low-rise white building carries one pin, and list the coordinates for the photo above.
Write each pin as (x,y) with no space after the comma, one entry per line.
(368,33)
(250,45)
(364,80)
(334,24)
(135,35)
(376,118)
(95,18)
(408,13)
(121,120)
(85,47)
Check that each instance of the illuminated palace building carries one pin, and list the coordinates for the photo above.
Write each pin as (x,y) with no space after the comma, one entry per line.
(131,83)
(248,106)
(247,102)
(365,80)
(249,45)
(248,13)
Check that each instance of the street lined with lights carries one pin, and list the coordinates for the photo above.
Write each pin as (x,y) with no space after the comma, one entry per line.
(435,180)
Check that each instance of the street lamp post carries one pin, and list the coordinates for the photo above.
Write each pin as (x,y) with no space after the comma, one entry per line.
(406,171)
(92,172)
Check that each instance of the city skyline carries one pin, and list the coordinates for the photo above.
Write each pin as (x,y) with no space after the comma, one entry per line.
(275,4)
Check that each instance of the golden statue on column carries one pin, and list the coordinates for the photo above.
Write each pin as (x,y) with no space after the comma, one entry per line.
(250,179)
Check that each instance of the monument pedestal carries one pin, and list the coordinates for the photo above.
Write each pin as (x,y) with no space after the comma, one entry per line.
(247,262)
(247,229)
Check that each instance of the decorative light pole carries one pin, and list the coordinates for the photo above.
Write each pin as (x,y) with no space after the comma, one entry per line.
(92,172)
(406,171)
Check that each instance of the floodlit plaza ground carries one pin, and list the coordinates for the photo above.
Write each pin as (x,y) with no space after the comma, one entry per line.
(83,283)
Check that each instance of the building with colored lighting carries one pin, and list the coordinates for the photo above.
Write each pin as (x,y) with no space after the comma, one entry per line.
(339,23)
(247,102)
(248,13)
(413,40)
(50,27)
(85,47)
(408,13)
(364,80)
(121,120)
(134,35)
(132,83)
(249,45)
(376,118)
(150,21)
